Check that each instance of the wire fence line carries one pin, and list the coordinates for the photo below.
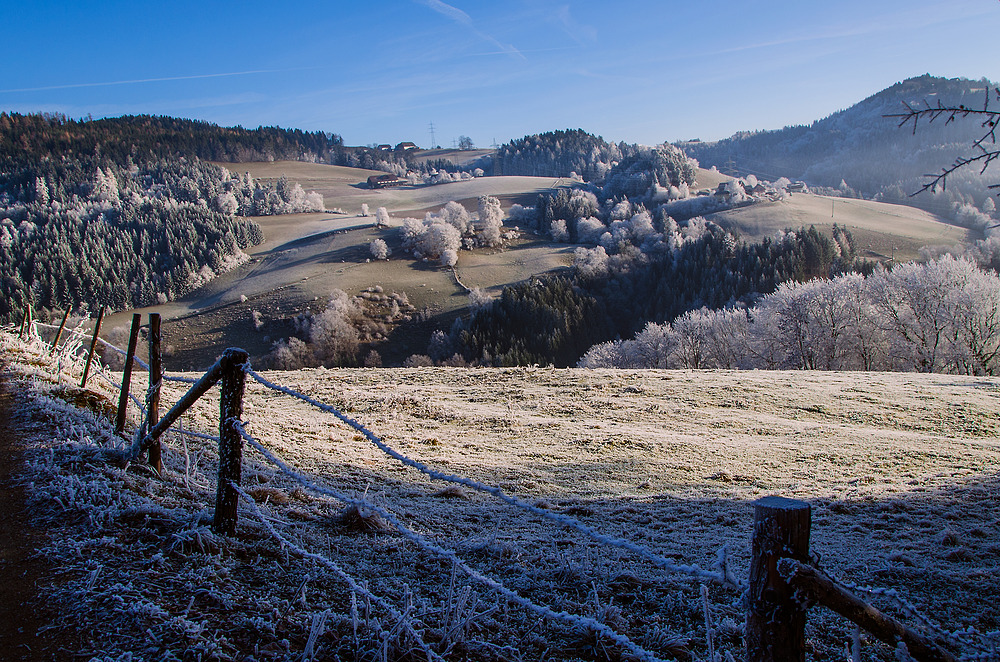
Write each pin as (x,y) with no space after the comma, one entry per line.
(986,643)
(986,646)
(357,587)
(723,578)
(584,622)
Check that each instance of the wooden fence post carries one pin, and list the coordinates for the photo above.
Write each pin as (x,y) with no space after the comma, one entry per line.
(153,400)
(230,439)
(93,346)
(775,629)
(62,327)
(133,339)
(26,323)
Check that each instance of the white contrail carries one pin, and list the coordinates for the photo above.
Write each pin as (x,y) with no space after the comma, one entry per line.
(460,17)
(150,80)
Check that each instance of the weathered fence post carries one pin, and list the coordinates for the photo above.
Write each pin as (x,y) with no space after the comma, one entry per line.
(133,339)
(775,630)
(93,346)
(62,327)
(25,323)
(230,439)
(153,398)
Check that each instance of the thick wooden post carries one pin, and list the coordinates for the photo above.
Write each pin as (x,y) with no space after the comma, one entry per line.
(153,399)
(230,439)
(775,630)
(93,346)
(133,339)
(24,322)
(62,327)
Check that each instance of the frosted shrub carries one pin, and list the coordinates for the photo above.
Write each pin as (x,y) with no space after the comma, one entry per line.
(558,230)
(379,249)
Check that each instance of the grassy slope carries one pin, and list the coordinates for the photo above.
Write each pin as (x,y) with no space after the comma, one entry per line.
(877,227)
(900,470)
(305,256)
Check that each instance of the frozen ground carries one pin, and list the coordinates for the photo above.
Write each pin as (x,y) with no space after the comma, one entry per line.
(902,472)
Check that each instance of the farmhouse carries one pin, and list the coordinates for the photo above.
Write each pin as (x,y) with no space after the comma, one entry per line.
(406,147)
(384,147)
(384,181)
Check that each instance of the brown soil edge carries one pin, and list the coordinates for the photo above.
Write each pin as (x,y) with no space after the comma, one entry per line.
(22,613)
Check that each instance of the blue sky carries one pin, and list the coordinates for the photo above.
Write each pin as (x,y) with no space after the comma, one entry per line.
(643,71)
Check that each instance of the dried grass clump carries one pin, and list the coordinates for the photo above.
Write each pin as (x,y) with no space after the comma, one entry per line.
(269,495)
(80,398)
(362,520)
(452,492)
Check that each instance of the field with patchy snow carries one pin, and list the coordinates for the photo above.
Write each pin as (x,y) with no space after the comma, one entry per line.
(902,472)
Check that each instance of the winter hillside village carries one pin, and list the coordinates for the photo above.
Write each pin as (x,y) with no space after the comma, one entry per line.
(609,393)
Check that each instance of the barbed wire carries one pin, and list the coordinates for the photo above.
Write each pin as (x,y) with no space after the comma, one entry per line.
(546,612)
(693,571)
(354,585)
(984,642)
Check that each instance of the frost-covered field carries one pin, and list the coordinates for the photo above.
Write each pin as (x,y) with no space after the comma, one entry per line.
(902,471)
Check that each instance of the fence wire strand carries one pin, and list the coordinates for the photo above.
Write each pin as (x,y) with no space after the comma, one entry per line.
(354,585)
(546,612)
(693,571)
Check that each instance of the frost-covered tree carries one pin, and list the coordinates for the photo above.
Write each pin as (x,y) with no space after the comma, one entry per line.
(364,209)
(379,249)
(456,215)
(490,221)
(381,217)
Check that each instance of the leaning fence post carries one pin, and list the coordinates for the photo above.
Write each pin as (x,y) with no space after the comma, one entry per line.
(93,346)
(775,629)
(153,398)
(133,338)
(62,327)
(230,439)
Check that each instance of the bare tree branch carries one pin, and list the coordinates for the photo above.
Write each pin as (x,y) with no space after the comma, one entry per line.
(986,145)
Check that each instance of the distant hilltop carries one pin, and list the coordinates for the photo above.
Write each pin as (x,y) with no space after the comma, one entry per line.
(863,152)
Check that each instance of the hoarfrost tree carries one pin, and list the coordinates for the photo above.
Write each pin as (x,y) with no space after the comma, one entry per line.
(456,215)
(381,217)
(490,221)
(379,249)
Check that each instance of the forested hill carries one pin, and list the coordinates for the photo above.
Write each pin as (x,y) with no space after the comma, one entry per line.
(30,138)
(126,212)
(867,151)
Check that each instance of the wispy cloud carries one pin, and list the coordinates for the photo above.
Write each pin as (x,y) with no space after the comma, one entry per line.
(578,32)
(458,16)
(136,81)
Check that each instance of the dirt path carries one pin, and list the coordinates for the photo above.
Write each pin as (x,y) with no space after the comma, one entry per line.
(21,613)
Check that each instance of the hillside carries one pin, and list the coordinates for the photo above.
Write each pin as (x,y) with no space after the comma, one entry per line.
(293,270)
(900,470)
(881,231)
(865,149)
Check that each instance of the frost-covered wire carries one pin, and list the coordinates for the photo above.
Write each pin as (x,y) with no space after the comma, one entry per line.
(116,385)
(546,612)
(354,585)
(196,435)
(984,643)
(693,571)
(175,378)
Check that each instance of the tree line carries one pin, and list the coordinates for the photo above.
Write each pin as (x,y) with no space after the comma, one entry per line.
(554,320)
(939,316)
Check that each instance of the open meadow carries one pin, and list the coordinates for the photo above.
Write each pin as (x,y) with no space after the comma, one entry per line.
(304,257)
(901,471)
